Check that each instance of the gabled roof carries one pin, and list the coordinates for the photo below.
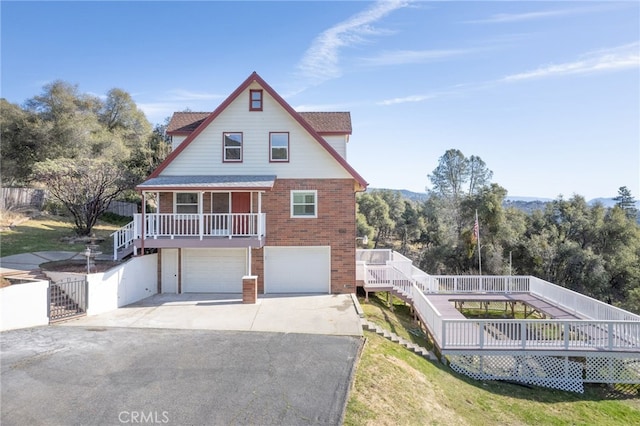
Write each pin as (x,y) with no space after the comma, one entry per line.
(254,77)
(185,122)
(325,123)
(329,122)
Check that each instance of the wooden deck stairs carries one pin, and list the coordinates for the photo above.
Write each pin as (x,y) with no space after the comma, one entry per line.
(419,350)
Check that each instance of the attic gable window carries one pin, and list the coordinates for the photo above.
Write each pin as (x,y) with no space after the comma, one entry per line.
(255,100)
(232,146)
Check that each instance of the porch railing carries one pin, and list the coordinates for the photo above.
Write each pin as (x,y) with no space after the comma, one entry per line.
(203,225)
(540,334)
(169,225)
(605,327)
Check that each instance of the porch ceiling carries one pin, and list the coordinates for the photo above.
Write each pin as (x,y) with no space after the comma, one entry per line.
(209,183)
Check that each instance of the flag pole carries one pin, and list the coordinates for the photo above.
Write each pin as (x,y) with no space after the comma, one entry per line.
(476,229)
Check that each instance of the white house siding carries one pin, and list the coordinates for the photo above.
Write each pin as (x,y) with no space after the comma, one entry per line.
(339,143)
(307,158)
(176,140)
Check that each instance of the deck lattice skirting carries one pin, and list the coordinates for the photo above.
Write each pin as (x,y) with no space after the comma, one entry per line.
(532,351)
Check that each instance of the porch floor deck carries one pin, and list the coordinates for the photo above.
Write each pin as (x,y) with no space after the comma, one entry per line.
(207,241)
(443,303)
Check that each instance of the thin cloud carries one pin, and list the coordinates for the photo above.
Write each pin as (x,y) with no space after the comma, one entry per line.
(185,95)
(414,56)
(545,14)
(615,59)
(619,58)
(406,99)
(321,62)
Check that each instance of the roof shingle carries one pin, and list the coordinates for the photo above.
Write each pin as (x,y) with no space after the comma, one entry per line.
(186,122)
(328,122)
(321,122)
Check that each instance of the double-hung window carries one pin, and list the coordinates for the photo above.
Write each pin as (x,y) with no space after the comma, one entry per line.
(186,202)
(232,146)
(304,203)
(278,146)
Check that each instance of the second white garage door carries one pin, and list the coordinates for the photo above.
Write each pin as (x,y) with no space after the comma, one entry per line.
(213,270)
(297,269)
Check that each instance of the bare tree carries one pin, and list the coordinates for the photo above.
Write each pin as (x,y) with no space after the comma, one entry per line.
(85,187)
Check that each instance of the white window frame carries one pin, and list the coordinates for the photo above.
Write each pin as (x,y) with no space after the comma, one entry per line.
(271,147)
(315,203)
(176,204)
(225,147)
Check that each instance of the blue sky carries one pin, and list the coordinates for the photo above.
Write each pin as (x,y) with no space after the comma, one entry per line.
(546,93)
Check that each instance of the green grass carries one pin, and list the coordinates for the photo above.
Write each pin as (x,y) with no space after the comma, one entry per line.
(398,320)
(394,386)
(46,233)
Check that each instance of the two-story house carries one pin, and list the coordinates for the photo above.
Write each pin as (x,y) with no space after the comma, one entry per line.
(253,188)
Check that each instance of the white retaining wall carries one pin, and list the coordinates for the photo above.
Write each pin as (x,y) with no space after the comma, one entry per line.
(120,286)
(123,285)
(24,305)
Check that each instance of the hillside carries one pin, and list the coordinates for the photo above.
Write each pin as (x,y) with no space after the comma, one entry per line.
(525,204)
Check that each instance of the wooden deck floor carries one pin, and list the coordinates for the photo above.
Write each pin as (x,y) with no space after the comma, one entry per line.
(444,304)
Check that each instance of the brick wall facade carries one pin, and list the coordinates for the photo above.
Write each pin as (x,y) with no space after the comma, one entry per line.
(335,225)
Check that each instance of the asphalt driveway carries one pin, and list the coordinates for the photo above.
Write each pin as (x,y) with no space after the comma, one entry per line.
(112,376)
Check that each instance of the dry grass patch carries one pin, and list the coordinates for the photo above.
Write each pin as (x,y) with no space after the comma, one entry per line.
(46,233)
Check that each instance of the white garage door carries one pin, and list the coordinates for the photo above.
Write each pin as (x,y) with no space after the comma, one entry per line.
(213,270)
(297,269)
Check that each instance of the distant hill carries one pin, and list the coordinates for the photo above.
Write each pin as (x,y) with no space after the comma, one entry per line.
(608,202)
(525,204)
(418,197)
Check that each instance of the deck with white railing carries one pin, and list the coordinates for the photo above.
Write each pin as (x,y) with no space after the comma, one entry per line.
(579,323)
(162,230)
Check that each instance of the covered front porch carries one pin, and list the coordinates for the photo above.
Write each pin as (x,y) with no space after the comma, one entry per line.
(197,212)
(164,230)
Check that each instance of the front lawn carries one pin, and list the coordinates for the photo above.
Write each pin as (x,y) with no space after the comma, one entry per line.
(49,233)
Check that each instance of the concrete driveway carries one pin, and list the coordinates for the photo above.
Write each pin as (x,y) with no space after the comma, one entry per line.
(334,314)
(93,375)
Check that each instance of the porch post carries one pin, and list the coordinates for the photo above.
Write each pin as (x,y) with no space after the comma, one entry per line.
(156,219)
(144,211)
(260,224)
(200,210)
(230,219)
(249,260)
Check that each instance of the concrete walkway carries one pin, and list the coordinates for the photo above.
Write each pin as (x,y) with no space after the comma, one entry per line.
(334,314)
(30,261)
